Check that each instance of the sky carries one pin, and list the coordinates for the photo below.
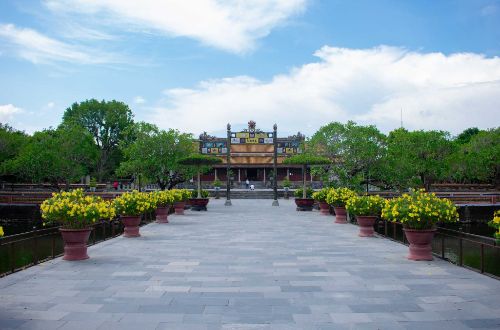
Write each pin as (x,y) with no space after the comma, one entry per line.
(197,65)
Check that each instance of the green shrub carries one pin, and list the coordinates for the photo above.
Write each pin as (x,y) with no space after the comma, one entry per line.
(204,194)
(298,193)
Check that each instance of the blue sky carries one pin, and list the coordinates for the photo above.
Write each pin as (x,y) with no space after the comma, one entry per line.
(195,65)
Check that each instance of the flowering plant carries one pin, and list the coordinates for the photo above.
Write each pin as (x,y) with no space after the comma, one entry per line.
(1,231)
(419,210)
(187,194)
(299,192)
(74,210)
(320,196)
(133,203)
(339,197)
(180,195)
(365,205)
(495,223)
(162,198)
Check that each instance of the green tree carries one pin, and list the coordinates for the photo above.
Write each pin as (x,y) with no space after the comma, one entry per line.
(478,160)
(55,156)
(466,135)
(201,163)
(155,154)
(357,151)
(304,160)
(108,122)
(11,143)
(417,158)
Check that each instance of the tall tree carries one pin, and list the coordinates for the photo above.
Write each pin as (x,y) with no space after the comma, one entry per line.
(466,135)
(55,156)
(155,154)
(478,160)
(108,122)
(11,143)
(356,150)
(417,158)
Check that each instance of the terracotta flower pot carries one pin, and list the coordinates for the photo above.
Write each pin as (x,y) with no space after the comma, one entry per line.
(198,204)
(324,208)
(131,223)
(340,214)
(179,207)
(304,204)
(162,214)
(420,243)
(366,223)
(75,243)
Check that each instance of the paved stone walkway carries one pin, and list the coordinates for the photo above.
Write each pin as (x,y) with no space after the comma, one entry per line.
(249,266)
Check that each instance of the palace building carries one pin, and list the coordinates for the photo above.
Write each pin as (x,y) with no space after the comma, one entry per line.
(251,154)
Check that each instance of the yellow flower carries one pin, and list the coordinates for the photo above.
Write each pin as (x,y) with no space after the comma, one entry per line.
(1,231)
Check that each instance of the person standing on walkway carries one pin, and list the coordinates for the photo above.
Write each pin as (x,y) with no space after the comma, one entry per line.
(247,183)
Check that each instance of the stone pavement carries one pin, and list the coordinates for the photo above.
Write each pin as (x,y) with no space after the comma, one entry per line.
(249,266)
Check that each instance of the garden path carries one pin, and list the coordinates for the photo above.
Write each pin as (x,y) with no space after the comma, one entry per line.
(249,266)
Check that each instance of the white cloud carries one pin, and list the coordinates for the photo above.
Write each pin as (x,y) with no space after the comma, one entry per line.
(139,100)
(38,48)
(370,86)
(8,111)
(50,105)
(233,25)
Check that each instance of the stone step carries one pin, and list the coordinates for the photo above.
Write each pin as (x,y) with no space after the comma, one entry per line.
(249,194)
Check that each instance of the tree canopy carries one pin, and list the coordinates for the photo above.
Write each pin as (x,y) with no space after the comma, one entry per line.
(307,159)
(108,122)
(11,142)
(54,156)
(155,154)
(478,160)
(200,160)
(356,150)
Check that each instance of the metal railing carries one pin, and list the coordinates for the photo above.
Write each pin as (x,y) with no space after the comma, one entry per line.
(20,251)
(478,253)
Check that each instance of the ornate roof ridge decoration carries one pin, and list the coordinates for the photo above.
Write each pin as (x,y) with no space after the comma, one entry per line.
(298,136)
(251,124)
(204,136)
(251,128)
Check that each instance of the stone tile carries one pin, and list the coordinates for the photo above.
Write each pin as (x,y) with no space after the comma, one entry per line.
(486,323)
(89,324)
(441,325)
(76,307)
(41,325)
(228,268)
(6,324)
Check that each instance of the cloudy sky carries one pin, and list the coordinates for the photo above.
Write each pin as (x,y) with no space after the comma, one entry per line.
(195,65)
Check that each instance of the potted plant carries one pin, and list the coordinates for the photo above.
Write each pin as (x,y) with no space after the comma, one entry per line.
(305,203)
(419,212)
(1,231)
(130,206)
(76,214)
(199,204)
(217,185)
(202,163)
(338,197)
(180,196)
(320,197)
(495,223)
(286,186)
(163,200)
(366,209)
